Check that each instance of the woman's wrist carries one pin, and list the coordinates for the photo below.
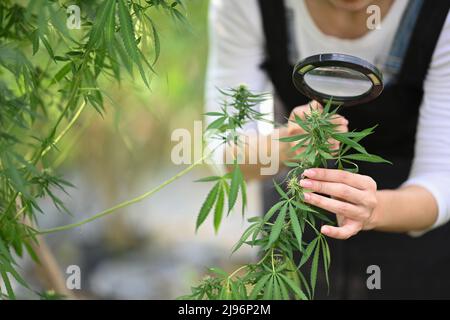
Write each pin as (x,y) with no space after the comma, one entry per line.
(405,209)
(376,220)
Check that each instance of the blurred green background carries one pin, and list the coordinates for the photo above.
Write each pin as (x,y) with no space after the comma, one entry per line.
(149,250)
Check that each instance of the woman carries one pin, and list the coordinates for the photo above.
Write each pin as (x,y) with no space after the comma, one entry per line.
(405,206)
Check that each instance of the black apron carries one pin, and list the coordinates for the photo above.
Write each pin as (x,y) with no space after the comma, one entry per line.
(410,267)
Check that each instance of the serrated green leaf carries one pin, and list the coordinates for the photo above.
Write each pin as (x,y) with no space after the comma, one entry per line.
(301,123)
(308,251)
(268,290)
(129,39)
(7,283)
(292,164)
(325,257)
(245,236)
(218,271)
(283,289)
(216,124)
(293,287)
(361,135)
(366,158)
(156,41)
(303,207)
(48,47)
(327,107)
(296,227)
(214,114)
(236,181)
(278,225)
(218,212)
(35,41)
(314,267)
(243,195)
(258,286)
(280,190)
(106,9)
(207,205)
(272,210)
(62,72)
(110,26)
(305,284)
(276,288)
(349,142)
(294,138)
(209,179)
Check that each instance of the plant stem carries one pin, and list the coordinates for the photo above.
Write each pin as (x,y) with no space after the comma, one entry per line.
(236,271)
(273,265)
(312,226)
(66,129)
(128,202)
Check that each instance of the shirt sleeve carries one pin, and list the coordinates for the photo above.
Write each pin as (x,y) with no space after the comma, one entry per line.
(431,165)
(236,51)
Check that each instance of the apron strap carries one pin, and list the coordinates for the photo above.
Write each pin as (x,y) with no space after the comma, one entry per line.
(277,64)
(423,42)
(393,65)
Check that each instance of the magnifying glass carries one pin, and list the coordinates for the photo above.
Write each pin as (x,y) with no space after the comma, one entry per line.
(343,79)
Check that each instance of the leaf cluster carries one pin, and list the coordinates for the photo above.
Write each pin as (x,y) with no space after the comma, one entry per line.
(284,228)
(49,73)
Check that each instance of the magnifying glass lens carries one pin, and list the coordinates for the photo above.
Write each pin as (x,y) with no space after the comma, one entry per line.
(338,81)
(341,78)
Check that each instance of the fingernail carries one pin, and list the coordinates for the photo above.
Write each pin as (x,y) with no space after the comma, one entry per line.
(307,196)
(324,229)
(309,173)
(306,183)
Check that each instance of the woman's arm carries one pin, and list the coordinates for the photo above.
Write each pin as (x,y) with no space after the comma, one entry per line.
(406,209)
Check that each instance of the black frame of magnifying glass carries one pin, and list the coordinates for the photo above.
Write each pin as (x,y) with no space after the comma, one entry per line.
(338,60)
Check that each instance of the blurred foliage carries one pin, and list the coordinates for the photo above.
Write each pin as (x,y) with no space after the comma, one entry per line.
(128,139)
(56,80)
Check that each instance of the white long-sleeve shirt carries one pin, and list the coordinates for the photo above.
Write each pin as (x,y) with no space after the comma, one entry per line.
(237,51)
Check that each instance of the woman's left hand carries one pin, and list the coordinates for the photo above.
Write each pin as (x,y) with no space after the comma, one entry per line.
(354,199)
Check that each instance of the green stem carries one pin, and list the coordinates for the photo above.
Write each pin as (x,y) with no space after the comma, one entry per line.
(235,272)
(66,129)
(128,202)
(273,262)
(312,226)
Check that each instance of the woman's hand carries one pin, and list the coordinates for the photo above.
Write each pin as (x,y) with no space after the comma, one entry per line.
(354,199)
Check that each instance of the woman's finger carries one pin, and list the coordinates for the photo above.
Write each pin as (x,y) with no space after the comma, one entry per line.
(334,189)
(341,233)
(333,175)
(345,209)
(340,120)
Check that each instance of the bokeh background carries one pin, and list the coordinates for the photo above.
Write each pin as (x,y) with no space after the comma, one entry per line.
(148,250)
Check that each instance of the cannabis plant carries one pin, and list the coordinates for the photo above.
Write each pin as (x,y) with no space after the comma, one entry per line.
(50,75)
(283,230)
